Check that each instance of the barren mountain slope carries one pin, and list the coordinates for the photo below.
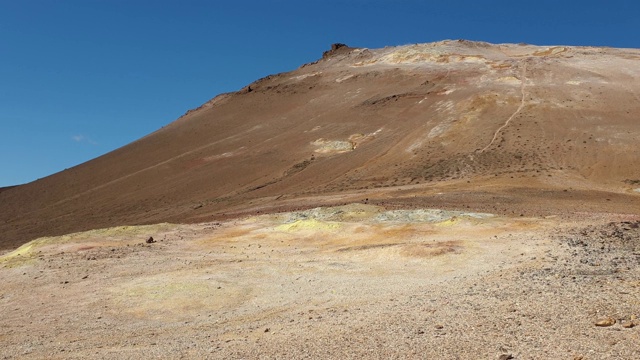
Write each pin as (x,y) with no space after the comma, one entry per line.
(506,128)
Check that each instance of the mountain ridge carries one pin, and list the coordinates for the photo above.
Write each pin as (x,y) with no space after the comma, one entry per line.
(396,125)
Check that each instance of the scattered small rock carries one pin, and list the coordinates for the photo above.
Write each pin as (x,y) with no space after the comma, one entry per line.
(150,240)
(628,324)
(605,322)
(505,357)
(439,326)
(267,330)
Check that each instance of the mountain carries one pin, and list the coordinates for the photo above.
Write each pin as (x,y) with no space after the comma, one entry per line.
(515,129)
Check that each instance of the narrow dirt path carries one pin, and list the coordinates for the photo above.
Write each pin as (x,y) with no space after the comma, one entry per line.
(523,79)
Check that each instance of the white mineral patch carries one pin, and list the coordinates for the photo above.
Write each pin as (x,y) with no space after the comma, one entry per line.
(324,146)
(339,80)
(304,76)
(509,80)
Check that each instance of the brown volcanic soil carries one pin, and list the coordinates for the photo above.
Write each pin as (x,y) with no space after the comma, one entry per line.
(528,154)
(6,188)
(504,126)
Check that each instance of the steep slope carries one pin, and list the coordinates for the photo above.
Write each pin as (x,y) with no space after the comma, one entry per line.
(457,123)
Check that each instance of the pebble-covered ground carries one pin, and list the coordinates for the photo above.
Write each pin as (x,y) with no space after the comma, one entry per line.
(340,283)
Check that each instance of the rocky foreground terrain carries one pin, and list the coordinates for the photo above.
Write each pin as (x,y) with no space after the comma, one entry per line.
(355,281)
(449,200)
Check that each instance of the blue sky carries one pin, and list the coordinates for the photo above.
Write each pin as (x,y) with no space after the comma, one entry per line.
(81,78)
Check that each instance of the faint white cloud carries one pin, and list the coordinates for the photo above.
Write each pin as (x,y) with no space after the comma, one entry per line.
(83,139)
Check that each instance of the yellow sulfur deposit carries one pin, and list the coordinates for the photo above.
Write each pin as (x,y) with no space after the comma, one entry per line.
(307,224)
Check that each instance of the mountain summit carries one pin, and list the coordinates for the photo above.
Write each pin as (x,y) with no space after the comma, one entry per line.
(453,123)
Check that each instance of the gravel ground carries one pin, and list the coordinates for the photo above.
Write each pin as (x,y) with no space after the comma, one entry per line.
(496,288)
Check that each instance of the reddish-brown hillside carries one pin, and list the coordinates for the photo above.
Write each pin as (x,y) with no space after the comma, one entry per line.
(511,128)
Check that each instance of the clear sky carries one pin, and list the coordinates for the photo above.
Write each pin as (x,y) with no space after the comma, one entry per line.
(79,78)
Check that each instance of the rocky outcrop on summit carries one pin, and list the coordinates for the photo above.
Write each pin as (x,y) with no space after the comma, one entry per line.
(337,48)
